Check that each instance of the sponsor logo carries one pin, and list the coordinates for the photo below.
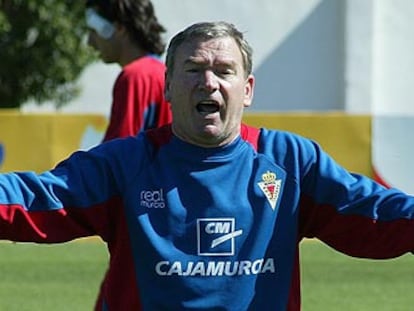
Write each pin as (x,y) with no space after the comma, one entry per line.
(270,187)
(215,236)
(152,198)
(215,268)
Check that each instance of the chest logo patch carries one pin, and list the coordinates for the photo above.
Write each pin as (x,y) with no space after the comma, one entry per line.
(270,186)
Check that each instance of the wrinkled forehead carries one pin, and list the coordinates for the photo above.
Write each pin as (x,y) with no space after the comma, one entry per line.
(209,49)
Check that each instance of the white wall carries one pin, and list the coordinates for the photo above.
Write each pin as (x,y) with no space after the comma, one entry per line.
(394,57)
(380,58)
(305,71)
(359,71)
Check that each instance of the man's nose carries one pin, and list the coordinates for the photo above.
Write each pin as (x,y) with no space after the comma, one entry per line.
(209,81)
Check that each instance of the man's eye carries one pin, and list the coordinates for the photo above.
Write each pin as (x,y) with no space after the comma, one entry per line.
(225,72)
(192,69)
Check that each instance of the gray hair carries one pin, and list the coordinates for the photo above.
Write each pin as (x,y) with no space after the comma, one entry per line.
(210,30)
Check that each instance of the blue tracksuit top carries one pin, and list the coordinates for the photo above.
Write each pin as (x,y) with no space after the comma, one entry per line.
(191,228)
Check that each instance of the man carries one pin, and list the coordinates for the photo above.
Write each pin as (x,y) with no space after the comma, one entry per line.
(207,214)
(128,33)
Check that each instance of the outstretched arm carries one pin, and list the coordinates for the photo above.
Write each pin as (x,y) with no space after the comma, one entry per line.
(67,202)
(354,214)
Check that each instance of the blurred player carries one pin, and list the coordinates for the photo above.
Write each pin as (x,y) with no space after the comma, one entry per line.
(128,33)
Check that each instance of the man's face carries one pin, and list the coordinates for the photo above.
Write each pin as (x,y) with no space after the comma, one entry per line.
(208,90)
(103,36)
(107,48)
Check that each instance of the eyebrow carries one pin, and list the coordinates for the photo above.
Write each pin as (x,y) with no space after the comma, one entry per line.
(226,62)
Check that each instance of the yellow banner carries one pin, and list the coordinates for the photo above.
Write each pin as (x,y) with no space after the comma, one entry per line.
(39,141)
(347,138)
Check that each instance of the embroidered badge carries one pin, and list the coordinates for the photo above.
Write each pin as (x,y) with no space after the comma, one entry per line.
(270,187)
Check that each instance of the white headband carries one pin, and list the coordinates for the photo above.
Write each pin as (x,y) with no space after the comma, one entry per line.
(103,27)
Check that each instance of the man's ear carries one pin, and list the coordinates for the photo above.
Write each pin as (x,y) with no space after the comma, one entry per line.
(248,91)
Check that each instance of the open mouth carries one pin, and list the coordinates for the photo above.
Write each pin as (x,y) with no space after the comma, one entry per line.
(208,106)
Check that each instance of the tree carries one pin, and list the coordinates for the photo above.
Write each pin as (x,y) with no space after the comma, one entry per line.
(42,51)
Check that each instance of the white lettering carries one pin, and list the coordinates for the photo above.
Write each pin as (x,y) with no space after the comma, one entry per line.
(199,269)
(217,227)
(152,204)
(268,266)
(231,268)
(245,267)
(176,268)
(189,269)
(152,199)
(216,268)
(159,267)
(257,266)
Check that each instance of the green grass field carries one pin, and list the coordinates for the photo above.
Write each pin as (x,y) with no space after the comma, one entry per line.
(51,277)
(332,281)
(67,277)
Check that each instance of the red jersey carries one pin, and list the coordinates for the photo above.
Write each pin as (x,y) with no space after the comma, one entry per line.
(138,99)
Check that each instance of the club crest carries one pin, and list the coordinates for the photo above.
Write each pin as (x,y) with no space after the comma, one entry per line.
(270,186)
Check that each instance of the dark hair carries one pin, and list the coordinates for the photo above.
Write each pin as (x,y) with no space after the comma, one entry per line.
(138,16)
(210,30)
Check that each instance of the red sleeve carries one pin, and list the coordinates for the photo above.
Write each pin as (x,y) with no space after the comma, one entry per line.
(355,234)
(58,225)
